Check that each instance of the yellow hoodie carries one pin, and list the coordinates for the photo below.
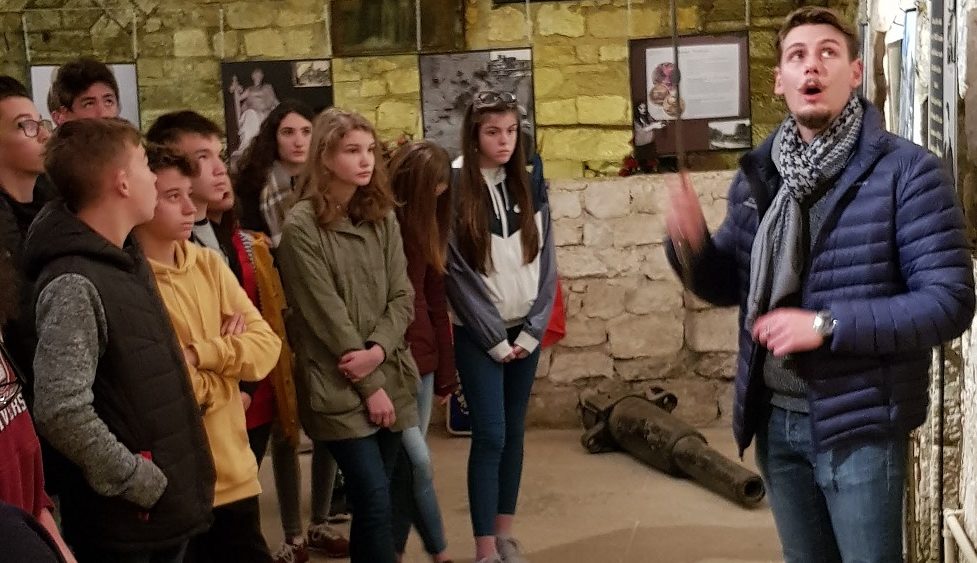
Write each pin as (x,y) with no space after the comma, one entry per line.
(198,293)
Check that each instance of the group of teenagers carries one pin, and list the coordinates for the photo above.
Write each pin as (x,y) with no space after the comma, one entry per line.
(172,319)
(166,318)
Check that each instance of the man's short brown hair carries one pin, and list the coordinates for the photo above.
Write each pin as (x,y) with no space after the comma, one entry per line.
(162,157)
(80,151)
(74,77)
(170,127)
(816,15)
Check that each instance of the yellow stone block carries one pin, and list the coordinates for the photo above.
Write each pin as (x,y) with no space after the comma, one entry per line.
(506,24)
(689,18)
(264,43)
(602,110)
(556,112)
(381,64)
(589,54)
(554,55)
(404,81)
(249,15)
(290,17)
(608,23)
(612,78)
(299,41)
(398,115)
(344,70)
(373,87)
(547,81)
(558,19)
(191,43)
(562,169)
(650,21)
(613,53)
(232,43)
(150,68)
(585,143)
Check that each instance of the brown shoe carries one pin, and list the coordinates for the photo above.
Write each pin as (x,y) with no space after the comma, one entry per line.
(321,537)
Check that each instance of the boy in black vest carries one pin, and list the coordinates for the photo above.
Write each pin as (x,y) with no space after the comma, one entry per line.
(111,388)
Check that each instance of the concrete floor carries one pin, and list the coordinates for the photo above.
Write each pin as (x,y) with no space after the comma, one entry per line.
(581,508)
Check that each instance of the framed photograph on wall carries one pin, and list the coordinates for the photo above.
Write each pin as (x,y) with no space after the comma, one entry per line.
(376,27)
(253,88)
(449,82)
(125,75)
(713,101)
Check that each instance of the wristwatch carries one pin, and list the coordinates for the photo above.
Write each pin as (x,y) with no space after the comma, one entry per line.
(824,323)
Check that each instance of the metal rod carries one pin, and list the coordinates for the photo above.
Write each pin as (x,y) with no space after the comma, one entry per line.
(963,549)
(135,34)
(677,76)
(27,40)
(220,22)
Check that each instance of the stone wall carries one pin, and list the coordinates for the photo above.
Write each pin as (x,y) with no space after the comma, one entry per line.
(629,322)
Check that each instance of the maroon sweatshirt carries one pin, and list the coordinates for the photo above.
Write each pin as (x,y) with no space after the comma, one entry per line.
(429,335)
(21,474)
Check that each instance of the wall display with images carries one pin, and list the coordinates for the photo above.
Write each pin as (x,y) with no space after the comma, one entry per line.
(125,75)
(371,27)
(715,93)
(253,88)
(449,81)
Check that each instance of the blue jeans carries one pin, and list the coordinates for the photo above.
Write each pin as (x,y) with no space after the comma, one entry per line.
(416,501)
(843,504)
(367,464)
(498,397)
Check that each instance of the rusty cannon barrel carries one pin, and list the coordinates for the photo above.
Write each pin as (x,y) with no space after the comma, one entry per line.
(644,427)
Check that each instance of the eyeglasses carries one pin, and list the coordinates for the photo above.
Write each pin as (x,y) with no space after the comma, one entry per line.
(32,127)
(495,100)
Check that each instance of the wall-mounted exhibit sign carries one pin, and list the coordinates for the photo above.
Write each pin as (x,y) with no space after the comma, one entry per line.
(125,76)
(449,81)
(713,101)
(253,88)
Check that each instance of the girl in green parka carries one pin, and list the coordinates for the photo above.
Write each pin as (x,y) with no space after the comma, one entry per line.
(342,261)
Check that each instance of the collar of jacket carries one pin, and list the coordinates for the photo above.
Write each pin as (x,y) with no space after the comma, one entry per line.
(764,180)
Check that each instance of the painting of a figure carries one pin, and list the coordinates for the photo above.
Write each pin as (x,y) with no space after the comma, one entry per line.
(252,89)
(369,27)
(251,105)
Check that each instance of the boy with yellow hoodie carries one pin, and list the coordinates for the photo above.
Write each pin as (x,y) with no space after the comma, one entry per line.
(225,341)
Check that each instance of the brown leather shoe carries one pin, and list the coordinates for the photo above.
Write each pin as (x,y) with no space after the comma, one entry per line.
(321,537)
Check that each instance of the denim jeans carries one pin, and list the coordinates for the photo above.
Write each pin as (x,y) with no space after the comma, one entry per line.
(498,398)
(415,500)
(367,464)
(839,505)
(285,466)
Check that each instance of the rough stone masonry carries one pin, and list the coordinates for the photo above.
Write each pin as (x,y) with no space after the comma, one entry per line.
(629,321)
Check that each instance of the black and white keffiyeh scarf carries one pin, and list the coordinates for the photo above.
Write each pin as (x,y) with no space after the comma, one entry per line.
(779,253)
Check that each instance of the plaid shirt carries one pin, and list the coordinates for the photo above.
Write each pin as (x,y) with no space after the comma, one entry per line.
(276,199)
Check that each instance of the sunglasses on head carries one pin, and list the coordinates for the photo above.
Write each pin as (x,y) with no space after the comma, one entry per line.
(490,99)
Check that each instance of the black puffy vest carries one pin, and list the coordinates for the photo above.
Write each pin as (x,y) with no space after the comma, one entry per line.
(141,391)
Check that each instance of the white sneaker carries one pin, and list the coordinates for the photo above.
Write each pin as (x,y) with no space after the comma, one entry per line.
(510,551)
(493,559)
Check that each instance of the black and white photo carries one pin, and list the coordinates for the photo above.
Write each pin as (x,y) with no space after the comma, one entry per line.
(449,81)
(252,89)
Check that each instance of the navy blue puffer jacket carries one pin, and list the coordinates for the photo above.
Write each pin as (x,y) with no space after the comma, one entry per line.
(891,263)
